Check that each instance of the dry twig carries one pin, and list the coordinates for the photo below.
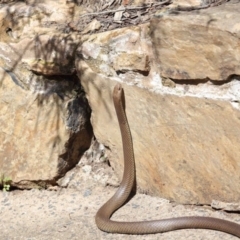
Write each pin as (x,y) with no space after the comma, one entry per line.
(127,8)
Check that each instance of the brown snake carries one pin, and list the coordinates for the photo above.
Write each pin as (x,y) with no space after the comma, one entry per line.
(122,194)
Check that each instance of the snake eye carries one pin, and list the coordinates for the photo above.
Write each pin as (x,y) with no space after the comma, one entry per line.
(118,87)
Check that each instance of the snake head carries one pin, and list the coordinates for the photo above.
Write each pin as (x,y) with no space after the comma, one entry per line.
(119,101)
(117,90)
(118,95)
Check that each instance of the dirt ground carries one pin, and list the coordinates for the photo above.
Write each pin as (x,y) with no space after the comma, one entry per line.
(68,213)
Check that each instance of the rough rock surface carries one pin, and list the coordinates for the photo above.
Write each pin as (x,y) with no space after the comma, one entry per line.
(41,136)
(185,147)
(44,114)
(199,44)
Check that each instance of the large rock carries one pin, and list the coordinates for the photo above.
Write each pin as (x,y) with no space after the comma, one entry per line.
(42,136)
(31,18)
(198,45)
(45,116)
(118,52)
(185,147)
(45,55)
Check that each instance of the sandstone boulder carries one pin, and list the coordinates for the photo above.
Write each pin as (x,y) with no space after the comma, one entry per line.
(185,147)
(198,45)
(43,135)
(44,114)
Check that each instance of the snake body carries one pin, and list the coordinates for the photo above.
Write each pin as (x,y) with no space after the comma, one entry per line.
(122,194)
